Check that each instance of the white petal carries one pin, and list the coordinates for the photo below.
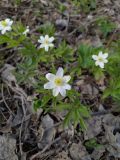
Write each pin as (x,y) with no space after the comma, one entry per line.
(8,28)
(62,91)
(42,46)
(55,92)
(66,78)
(26,31)
(101,64)
(7,20)
(50,76)
(41,39)
(67,86)
(46,37)
(1,24)
(46,48)
(51,39)
(95,57)
(105,55)
(10,23)
(51,44)
(100,54)
(60,72)
(97,63)
(49,85)
(105,60)
(1,27)
(3,31)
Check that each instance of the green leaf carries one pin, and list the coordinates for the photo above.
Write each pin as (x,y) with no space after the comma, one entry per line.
(67,119)
(82,123)
(64,51)
(84,111)
(105,25)
(37,104)
(47,28)
(92,143)
(63,106)
(85,56)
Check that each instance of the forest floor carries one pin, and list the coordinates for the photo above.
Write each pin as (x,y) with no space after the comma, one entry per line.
(29,135)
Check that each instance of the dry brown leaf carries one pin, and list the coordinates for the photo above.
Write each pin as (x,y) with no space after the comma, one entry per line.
(112,135)
(7,148)
(47,127)
(62,156)
(78,152)
(94,127)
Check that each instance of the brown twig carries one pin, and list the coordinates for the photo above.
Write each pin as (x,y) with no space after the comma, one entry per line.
(47,147)
(3,115)
(111,38)
(2,91)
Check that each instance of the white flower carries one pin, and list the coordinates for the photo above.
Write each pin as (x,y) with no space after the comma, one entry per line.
(46,42)
(58,82)
(100,59)
(5,25)
(26,31)
(89,17)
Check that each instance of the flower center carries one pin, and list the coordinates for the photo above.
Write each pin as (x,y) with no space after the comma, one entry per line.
(58,81)
(100,59)
(46,41)
(4,23)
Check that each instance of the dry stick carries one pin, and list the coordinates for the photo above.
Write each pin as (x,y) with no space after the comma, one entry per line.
(23,119)
(44,149)
(23,107)
(47,147)
(5,101)
(100,113)
(20,135)
(8,91)
(3,115)
(23,96)
(51,152)
(47,155)
(68,20)
(19,91)
(111,38)
(55,125)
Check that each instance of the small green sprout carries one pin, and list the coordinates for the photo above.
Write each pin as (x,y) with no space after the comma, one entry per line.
(105,26)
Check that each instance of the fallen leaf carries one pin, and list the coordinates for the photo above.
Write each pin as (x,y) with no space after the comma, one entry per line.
(112,135)
(62,156)
(94,127)
(78,152)
(7,148)
(47,127)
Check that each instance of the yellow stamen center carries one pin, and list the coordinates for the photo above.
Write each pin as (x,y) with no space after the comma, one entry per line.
(46,41)
(100,59)
(58,81)
(4,23)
